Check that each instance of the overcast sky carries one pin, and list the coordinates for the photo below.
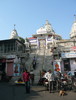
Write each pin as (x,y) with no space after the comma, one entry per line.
(30,15)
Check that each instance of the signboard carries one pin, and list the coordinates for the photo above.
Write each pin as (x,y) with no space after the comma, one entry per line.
(33,40)
(42,37)
(68,55)
(10,56)
(73,48)
(10,60)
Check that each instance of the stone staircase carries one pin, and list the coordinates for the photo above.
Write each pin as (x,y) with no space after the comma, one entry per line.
(43,60)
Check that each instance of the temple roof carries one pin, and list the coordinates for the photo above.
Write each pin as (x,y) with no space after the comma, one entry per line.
(32,38)
(47,28)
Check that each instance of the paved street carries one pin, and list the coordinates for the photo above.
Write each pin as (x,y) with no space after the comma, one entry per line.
(9,92)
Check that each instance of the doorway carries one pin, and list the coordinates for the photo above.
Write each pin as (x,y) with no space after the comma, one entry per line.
(2,70)
(66,64)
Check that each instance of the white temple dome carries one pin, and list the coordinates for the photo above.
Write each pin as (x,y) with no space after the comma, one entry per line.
(46,29)
(14,35)
(73,30)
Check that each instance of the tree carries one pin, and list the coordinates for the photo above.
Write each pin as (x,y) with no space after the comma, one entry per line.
(22,39)
(27,39)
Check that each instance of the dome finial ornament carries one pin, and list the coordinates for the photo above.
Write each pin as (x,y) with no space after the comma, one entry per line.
(47,22)
(75,17)
(14,26)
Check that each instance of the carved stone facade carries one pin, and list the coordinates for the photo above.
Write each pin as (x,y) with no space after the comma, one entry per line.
(50,41)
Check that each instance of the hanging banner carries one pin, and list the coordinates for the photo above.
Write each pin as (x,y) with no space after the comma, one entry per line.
(57,66)
(16,69)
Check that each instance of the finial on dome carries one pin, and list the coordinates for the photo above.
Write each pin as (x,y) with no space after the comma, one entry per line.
(14,26)
(75,17)
(47,22)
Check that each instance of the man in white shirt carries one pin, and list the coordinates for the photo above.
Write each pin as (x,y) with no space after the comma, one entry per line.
(50,77)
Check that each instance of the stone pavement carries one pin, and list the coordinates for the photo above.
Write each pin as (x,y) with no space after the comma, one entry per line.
(17,92)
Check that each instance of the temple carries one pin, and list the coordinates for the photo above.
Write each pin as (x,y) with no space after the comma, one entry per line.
(44,38)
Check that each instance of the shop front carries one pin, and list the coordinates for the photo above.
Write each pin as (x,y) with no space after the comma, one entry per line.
(69,61)
(12,65)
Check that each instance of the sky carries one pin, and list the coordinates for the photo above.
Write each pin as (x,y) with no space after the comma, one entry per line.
(30,15)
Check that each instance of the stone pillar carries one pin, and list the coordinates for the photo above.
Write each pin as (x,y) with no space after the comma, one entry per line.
(46,43)
(37,43)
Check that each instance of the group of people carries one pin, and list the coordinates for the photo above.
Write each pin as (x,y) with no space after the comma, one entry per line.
(56,81)
(48,78)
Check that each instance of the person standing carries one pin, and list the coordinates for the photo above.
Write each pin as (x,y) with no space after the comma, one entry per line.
(32,77)
(26,79)
(49,76)
(34,62)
